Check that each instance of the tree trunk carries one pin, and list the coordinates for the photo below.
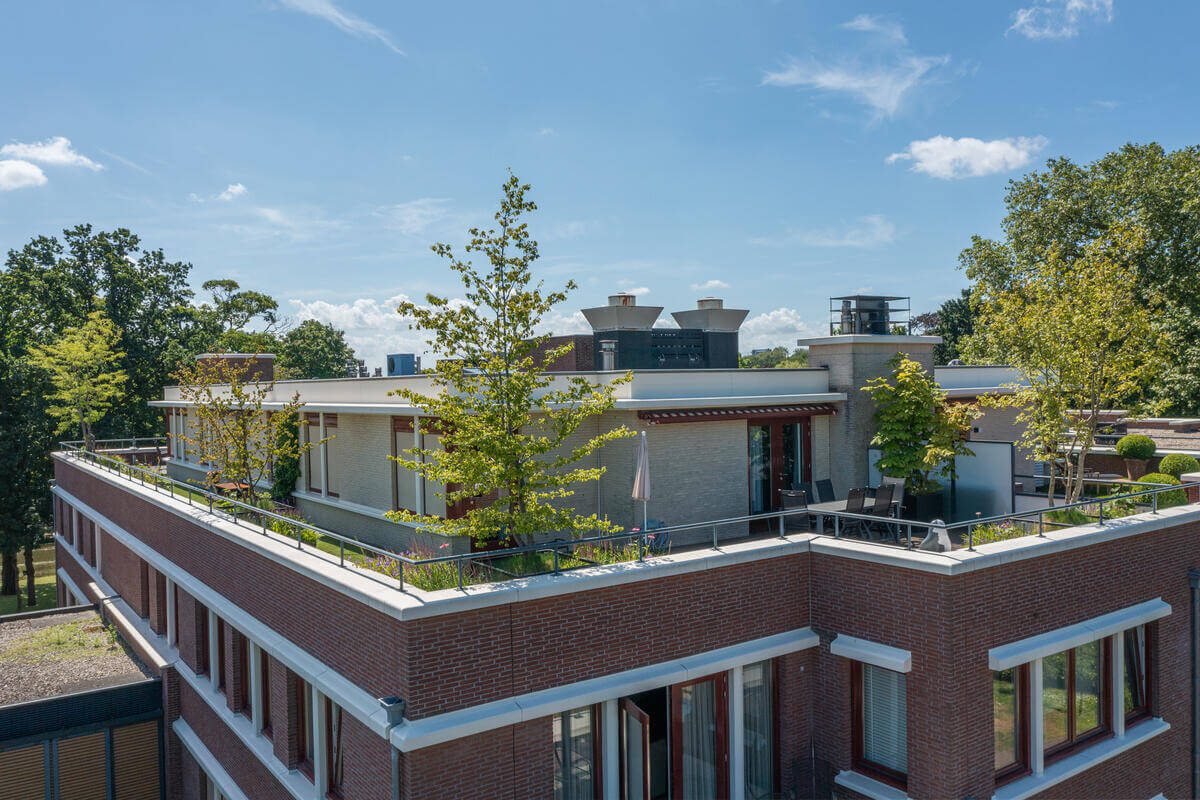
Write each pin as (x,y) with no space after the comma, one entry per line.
(30,587)
(8,573)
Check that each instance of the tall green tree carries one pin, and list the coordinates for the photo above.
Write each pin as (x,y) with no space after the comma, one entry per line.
(1084,341)
(82,366)
(778,357)
(313,350)
(505,421)
(954,321)
(1068,206)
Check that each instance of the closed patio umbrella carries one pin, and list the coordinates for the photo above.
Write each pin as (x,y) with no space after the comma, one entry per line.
(641,479)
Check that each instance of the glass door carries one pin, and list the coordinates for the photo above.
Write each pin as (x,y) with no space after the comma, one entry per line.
(635,752)
(700,739)
(760,469)
(779,459)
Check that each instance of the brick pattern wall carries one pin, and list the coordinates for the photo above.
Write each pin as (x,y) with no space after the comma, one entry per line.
(359,455)
(515,762)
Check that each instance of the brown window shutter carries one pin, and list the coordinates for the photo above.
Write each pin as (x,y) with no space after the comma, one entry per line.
(135,761)
(24,771)
(83,768)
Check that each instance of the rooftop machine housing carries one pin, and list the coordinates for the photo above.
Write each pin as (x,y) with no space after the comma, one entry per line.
(624,336)
(869,314)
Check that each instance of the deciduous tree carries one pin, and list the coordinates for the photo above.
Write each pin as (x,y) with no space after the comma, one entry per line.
(313,350)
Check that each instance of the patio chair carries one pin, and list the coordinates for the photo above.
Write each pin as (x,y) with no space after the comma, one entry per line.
(855,504)
(791,500)
(897,485)
(882,507)
(825,491)
(809,494)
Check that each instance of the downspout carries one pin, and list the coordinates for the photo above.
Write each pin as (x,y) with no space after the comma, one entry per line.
(1194,582)
(395,707)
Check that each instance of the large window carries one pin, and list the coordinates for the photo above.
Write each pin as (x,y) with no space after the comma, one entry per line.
(576,754)
(264,664)
(1136,680)
(880,723)
(1074,692)
(1010,700)
(333,748)
(304,727)
(202,664)
(220,654)
(778,460)
(242,653)
(758,726)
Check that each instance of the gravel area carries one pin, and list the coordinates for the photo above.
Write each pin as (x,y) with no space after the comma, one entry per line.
(60,654)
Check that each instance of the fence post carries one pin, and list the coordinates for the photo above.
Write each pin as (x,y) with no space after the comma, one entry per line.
(909,535)
(1101,510)
(1041,524)
(781,536)
(401,561)
(299,538)
(715,538)
(1154,496)
(837,527)
(342,552)
(640,541)
(556,561)
(970,536)
(460,579)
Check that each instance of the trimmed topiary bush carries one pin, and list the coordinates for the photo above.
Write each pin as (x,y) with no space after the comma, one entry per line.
(1178,464)
(1135,445)
(1171,497)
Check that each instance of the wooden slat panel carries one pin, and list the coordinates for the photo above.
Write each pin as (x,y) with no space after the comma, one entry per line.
(23,773)
(135,761)
(82,768)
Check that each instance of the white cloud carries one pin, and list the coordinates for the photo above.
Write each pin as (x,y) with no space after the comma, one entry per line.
(17,174)
(708,286)
(881,87)
(875,23)
(231,191)
(127,162)
(547,132)
(572,229)
(342,20)
(638,291)
(416,216)
(1058,19)
(778,328)
(870,231)
(277,217)
(56,151)
(946,157)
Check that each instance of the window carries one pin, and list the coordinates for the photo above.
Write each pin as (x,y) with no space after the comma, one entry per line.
(304,726)
(312,466)
(333,748)
(264,665)
(1075,688)
(242,653)
(758,724)
(880,723)
(1010,700)
(201,640)
(576,754)
(1137,689)
(699,723)
(778,460)
(220,654)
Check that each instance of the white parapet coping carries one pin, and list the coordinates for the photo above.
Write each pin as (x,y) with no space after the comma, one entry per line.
(207,761)
(1046,644)
(439,728)
(879,655)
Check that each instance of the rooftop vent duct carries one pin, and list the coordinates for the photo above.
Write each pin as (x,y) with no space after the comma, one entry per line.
(622,314)
(874,315)
(710,314)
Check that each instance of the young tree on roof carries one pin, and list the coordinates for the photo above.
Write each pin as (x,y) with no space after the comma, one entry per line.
(507,427)
(1074,325)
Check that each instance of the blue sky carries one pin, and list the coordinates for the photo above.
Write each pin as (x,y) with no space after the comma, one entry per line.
(772,153)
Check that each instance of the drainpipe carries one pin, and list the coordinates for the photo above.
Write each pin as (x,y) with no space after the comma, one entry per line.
(1194,582)
(394,706)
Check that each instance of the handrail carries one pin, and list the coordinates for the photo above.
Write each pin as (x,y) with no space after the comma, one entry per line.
(645,540)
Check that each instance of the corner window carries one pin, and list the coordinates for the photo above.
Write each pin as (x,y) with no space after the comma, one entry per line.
(576,754)
(1137,689)
(880,729)
(1010,702)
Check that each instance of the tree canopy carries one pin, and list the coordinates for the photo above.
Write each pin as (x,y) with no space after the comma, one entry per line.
(313,349)
(775,357)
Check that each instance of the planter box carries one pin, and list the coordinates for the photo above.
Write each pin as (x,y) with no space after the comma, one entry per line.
(922,507)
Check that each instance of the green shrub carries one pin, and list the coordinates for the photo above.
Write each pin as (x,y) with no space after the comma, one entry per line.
(1068,517)
(1135,445)
(997,532)
(1171,497)
(1178,464)
(286,470)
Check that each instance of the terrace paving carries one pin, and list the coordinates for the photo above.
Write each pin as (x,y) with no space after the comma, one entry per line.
(60,654)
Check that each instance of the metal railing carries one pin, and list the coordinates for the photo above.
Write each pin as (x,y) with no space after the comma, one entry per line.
(557,556)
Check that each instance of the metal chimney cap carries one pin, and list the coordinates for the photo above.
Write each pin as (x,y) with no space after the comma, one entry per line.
(622,299)
(710,302)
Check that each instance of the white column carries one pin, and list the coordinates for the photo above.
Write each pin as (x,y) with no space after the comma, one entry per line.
(610,730)
(1118,685)
(1036,730)
(737,736)
(75,529)
(256,687)
(324,456)
(320,768)
(172,634)
(418,477)
(214,651)
(99,539)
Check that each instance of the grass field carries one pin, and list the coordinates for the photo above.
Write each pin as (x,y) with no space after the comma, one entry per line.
(44,578)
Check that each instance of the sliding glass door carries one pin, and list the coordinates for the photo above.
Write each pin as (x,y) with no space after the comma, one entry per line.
(779,459)
(700,739)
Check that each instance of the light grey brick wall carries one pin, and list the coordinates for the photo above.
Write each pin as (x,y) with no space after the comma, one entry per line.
(359,469)
(819,434)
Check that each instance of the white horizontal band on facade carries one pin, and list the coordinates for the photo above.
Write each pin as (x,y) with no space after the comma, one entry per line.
(874,653)
(869,787)
(1051,642)
(352,699)
(439,728)
(207,761)
(77,593)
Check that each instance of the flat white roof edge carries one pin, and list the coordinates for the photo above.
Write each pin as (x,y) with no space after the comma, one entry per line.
(440,728)
(1045,644)
(879,655)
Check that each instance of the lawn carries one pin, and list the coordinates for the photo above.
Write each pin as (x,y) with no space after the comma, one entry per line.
(46,582)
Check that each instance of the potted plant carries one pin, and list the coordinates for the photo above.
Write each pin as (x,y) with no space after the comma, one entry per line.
(919,434)
(1137,450)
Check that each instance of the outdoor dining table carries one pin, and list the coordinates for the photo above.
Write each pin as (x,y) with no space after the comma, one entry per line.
(840,505)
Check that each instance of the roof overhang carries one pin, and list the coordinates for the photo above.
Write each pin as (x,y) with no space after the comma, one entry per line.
(668,416)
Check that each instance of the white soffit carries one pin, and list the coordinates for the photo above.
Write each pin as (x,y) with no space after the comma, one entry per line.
(1051,642)
(873,653)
